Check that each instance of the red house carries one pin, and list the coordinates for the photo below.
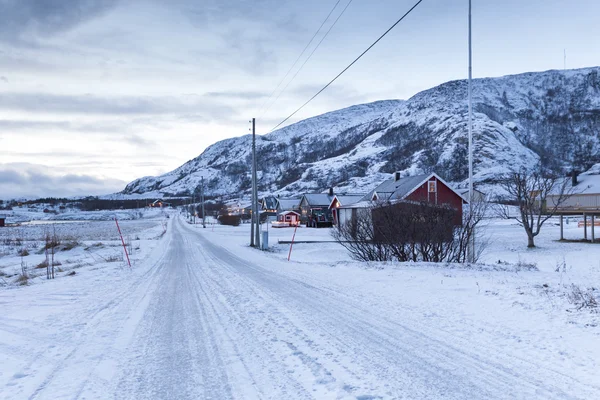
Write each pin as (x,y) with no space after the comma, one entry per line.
(428,188)
(287,219)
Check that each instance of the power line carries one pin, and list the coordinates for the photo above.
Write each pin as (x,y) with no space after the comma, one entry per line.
(300,56)
(349,65)
(309,56)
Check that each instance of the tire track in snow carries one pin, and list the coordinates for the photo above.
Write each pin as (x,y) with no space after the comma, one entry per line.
(456,372)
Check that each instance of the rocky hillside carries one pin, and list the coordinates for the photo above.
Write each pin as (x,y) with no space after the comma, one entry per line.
(552,117)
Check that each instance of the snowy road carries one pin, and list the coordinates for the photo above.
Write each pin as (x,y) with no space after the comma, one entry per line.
(204,323)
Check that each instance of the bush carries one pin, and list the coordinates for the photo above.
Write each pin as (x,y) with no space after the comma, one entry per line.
(233,220)
(22,280)
(408,232)
(23,252)
(581,298)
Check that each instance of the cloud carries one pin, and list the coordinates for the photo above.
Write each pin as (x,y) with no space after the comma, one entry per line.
(43,17)
(117,105)
(233,95)
(4,79)
(34,180)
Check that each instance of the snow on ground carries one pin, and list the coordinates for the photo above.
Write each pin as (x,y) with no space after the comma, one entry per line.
(523,297)
(203,315)
(89,240)
(22,214)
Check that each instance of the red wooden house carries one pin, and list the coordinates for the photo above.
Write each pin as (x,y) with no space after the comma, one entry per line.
(426,188)
(287,219)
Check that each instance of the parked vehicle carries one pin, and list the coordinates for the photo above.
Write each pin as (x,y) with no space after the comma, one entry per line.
(319,218)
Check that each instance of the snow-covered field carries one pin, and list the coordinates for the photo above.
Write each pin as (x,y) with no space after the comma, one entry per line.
(90,240)
(202,315)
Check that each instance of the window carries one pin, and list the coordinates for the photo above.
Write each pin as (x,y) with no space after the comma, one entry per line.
(432,186)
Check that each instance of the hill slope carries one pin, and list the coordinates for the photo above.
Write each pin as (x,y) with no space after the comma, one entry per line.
(552,117)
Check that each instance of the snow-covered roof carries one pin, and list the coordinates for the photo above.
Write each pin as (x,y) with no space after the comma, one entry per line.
(288,212)
(288,204)
(587,184)
(347,199)
(318,199)
(397,189)
(269,203)
(360,204)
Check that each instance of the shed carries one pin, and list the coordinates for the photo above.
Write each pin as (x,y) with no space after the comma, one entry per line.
(478,195)
(287,219)
(584,200)
(2,222)
(343,200)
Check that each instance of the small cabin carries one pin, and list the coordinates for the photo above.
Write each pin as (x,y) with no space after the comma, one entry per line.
(287,219)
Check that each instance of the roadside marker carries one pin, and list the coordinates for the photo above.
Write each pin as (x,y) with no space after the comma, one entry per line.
(122,241)
(291,244)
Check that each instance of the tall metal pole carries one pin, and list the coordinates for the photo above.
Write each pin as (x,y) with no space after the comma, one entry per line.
(471,245)
(253,209)
(254,178)
(202,196)
(194,206)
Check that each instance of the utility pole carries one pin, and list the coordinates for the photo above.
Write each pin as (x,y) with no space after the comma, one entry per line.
(194,206)
(255,213)
(252,209)
(202,194)
(471,245)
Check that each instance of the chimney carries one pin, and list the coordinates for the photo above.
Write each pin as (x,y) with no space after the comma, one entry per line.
(574,178)
(331,191)
(396,176)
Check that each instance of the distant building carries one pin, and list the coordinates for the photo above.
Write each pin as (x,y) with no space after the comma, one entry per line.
(291,204)
(2,222)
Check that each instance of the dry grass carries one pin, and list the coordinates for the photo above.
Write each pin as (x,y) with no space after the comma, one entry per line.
(22,280)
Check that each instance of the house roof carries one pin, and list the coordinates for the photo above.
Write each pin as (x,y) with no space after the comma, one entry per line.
(347,199)
(288,204)
(586,184)
(269,203)
(318,199)
(392,189)
(288,212)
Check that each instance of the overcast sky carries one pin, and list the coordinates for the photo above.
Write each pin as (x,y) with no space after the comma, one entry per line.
(96,93)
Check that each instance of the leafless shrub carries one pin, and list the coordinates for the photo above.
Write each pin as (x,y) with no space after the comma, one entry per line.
(22,280)
(70,244)
(43,264)
(583,298)
(409,232)
(23,252)
(114,258)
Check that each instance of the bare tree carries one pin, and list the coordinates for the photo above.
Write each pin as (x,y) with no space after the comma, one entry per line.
(529,190)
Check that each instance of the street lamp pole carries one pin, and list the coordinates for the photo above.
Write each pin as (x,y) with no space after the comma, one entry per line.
(471,244)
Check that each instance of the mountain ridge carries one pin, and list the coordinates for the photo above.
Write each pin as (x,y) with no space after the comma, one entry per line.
(552,117)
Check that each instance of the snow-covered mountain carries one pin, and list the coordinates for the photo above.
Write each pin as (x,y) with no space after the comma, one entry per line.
(552,117)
